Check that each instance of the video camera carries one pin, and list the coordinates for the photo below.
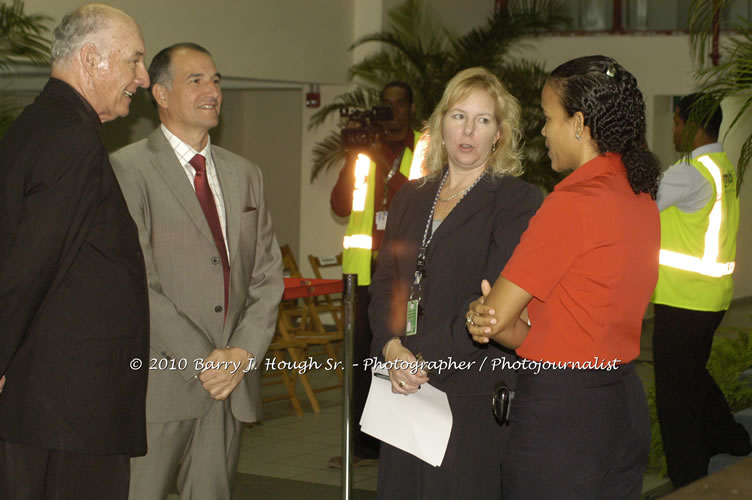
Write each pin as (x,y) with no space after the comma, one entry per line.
(368,130)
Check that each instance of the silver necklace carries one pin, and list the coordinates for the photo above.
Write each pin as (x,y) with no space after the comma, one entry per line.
(460,193)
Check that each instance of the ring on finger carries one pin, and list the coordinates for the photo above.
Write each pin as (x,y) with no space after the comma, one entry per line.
(469,319)
(402,383)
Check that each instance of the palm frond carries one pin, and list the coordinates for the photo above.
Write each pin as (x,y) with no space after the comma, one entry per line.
(507,29)
(358,98)
(379,68)
(701,14)
(22,36)
(327,154)
(745,156)
(731,78)
(525,79)
(22,39)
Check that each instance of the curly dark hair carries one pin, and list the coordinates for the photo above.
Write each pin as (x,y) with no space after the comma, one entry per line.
(614,110)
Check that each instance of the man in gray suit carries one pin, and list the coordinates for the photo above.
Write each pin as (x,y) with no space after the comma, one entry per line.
(215,281)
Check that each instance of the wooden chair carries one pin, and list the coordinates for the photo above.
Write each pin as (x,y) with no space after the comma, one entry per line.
(299,323)
(283,350)
(328,303)
(289,265)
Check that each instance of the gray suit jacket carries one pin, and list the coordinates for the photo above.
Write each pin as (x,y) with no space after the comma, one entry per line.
(186,285)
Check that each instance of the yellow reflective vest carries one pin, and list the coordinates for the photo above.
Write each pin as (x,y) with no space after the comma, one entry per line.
(357,252)
(698,249)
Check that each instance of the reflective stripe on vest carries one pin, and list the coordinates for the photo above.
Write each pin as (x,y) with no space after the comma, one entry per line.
(360,190)
(705,265)
(358,242)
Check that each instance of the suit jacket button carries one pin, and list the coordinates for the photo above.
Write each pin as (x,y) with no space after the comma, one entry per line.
(218,309)
(215,260)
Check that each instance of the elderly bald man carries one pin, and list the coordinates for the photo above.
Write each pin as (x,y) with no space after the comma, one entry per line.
(73,298)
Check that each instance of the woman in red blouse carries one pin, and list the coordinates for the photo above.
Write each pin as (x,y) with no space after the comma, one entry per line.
(585,269)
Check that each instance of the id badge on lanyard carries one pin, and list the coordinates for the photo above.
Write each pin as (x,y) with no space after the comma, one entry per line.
(414,308)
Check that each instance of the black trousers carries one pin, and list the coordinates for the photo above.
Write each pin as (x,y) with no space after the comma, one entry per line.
(365,446)
(29,473)
(696,422)
(577,434)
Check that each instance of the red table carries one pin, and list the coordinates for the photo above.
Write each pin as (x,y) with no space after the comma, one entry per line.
(296,288)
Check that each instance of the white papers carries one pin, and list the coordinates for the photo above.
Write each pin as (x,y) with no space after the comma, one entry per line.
(419,423)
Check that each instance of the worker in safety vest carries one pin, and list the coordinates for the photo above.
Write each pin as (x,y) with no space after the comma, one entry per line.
(364,190)
(699,209)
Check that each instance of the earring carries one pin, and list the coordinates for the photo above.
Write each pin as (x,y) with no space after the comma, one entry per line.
(577,136)
(493,147)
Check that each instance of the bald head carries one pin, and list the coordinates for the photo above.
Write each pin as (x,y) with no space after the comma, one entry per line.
(87,24)
(99,51)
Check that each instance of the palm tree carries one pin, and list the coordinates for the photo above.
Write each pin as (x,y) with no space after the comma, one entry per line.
(22,39)
(731,78)
(420,52)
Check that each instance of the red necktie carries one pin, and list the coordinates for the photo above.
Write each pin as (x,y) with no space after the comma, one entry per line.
(206,200)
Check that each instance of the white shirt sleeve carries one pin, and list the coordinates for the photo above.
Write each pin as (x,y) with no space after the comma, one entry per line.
(683,186)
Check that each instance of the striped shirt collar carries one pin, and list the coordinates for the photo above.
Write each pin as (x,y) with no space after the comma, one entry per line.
(182,150)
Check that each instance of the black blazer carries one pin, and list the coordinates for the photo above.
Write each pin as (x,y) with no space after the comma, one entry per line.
(73,300)
(474,242)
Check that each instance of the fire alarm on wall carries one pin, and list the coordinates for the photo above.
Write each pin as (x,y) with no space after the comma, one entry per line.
(313,96)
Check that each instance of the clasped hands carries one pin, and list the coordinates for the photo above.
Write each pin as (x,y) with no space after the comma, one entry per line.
(220,382)
(480,318)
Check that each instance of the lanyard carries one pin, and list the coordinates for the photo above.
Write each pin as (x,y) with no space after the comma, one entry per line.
(395,166)
(414,309)
(420,264)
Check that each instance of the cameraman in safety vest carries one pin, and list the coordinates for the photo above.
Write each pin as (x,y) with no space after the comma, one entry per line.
(699,209)
(391,158)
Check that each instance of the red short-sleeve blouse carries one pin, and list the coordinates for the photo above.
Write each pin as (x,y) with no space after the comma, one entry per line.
(590,259)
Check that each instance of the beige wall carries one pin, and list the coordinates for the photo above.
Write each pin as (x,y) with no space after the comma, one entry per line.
(321,231)
(264,126)
(289,40)
(457,16)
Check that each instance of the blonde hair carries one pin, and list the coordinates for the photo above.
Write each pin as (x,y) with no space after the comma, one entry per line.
(507,159)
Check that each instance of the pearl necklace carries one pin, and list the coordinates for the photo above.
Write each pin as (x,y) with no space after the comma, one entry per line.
(463,192)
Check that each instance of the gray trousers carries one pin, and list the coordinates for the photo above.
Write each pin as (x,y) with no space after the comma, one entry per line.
(202,454)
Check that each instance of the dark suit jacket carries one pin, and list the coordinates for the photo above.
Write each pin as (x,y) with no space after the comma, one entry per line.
(186,284)
(73,302)
(474,242)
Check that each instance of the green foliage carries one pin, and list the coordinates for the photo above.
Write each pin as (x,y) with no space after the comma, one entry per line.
(729,357)
(732,77)
(417,50)
(23,38)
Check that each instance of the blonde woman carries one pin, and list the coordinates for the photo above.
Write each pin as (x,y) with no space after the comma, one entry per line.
(445,232)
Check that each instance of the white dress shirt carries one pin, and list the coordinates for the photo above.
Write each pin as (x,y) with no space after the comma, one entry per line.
(184,154)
